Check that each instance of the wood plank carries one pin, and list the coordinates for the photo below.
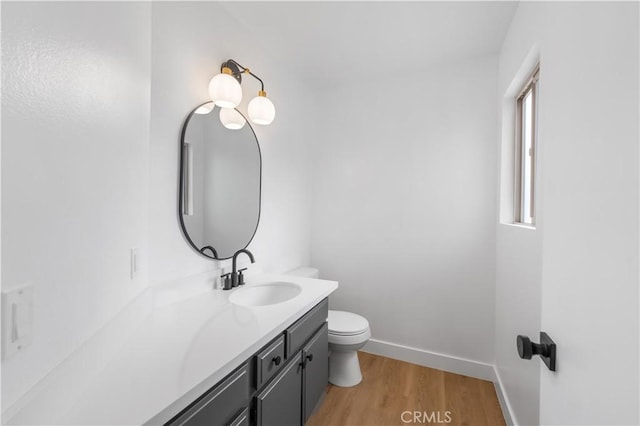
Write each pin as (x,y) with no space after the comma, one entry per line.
(390,388)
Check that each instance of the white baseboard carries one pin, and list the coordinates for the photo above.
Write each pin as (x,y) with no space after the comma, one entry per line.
(503,399)
(452,364)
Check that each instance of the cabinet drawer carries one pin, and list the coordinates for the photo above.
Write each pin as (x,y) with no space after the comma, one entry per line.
(221,404)
(303,329)
(269,361)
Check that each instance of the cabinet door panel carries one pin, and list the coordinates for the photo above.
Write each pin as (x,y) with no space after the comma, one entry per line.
(280,403)
(316,370)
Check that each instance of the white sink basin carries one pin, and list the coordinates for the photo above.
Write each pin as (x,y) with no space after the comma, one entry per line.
(265,294)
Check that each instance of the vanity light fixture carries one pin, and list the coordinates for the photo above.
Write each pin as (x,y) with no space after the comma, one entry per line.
(226,92)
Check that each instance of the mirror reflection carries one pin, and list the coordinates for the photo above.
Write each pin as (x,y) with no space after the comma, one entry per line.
(220,174)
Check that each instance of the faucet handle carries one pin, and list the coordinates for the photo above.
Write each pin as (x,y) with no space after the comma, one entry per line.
(240,276)
(226,281)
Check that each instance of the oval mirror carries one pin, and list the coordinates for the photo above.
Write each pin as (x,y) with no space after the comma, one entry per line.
(220,179)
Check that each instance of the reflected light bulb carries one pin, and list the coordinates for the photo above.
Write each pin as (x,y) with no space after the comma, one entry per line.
(205,109)
(231,118)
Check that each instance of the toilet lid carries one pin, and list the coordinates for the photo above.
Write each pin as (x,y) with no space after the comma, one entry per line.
(346,323)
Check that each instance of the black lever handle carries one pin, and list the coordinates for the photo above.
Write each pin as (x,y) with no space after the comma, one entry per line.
(241,276)
(310,357)
(546,349)
(226,281)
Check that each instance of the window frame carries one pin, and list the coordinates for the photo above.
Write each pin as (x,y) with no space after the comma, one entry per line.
(530,86)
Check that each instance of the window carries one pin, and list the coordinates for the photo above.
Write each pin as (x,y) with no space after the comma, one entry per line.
(525,150)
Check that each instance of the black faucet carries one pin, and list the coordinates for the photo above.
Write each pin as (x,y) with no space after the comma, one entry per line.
(236,276)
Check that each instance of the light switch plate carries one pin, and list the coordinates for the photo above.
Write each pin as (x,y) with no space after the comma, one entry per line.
(17,319)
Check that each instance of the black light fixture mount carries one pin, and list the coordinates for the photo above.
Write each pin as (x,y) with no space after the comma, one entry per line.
(237,70)
(226,92)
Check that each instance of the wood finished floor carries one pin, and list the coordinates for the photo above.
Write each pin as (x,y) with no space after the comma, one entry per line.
(390,387)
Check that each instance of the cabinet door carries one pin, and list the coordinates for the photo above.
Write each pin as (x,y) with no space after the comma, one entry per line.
(316,371)
(280,403)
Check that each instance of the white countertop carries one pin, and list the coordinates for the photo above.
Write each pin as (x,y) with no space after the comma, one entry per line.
(178,351)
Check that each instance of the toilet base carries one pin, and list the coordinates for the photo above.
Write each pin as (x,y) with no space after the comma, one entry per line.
(344,369)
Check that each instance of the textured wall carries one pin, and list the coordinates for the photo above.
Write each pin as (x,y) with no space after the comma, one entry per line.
(75,170)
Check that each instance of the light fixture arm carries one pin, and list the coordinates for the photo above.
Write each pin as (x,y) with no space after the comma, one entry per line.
(237,71)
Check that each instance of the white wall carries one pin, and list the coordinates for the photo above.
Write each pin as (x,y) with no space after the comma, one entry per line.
(75,141)
(95,172)
(404,206)
(190,41)
(588,211)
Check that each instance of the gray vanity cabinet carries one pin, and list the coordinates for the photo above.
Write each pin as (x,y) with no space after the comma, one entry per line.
(280,403)
(292,395)
(279,385)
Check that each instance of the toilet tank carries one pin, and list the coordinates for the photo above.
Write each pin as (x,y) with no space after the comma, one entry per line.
(305,271)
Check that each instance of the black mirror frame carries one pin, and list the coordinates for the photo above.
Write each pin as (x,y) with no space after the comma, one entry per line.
(185,234)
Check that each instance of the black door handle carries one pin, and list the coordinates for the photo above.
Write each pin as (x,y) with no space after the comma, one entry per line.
(546,349)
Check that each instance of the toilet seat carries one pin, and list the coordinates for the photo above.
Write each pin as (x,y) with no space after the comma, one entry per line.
(343,323)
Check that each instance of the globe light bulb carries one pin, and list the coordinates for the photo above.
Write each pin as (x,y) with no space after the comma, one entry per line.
(261,109)
(225,90)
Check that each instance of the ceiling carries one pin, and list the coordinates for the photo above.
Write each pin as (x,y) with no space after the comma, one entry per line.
(334,43)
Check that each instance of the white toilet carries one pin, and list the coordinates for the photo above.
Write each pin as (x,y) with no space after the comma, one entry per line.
(348,332)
